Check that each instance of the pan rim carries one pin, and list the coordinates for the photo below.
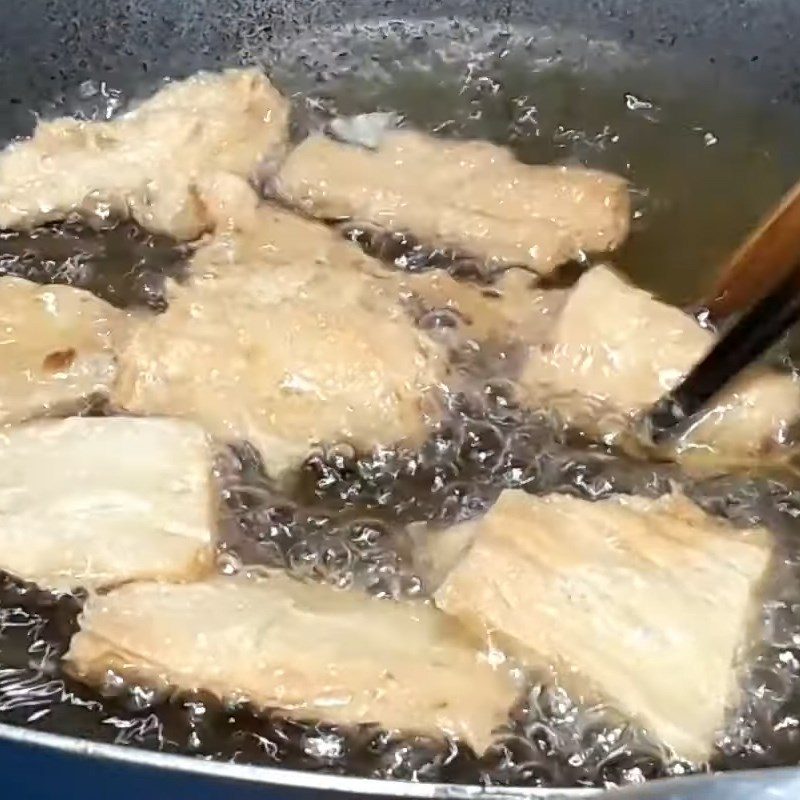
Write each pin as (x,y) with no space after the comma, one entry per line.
(274,776)
(704,784)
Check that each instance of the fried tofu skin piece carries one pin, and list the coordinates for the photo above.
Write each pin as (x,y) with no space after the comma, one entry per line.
(145,163)
(614,350)
(57,349)
(91,502)
(642,603)
(288,337)
(309,650)
(472,197)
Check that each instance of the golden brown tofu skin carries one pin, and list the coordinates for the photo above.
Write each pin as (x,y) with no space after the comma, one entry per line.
(644,603)
(311,651)
(286,336)
(91,502)
(614,350)
(145,163)
(57,349)
(473,197)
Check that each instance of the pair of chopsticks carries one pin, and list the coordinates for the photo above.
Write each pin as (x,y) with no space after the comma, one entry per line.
(762,278)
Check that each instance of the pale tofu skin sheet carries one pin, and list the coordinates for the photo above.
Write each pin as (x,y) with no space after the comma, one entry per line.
(642,603)
(145,163)
(90,502)
(309,650)
(614,350)
(57,349)
(473,197)
(287,336)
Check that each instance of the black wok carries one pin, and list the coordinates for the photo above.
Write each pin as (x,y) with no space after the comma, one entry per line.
(80,55)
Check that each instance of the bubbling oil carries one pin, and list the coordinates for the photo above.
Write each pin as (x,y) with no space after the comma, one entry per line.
(123,264)
(344,521)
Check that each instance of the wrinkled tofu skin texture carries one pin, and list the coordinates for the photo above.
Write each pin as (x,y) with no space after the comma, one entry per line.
(287,337)
(57,349)
(145,163)
(642,603)
(309,650)
(473,197)
(91,502)
(615,350)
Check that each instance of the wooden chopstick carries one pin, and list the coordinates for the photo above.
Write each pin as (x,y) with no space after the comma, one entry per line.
(761,263)
(762,278)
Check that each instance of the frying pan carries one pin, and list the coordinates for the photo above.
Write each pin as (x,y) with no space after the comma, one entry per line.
(49,49)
